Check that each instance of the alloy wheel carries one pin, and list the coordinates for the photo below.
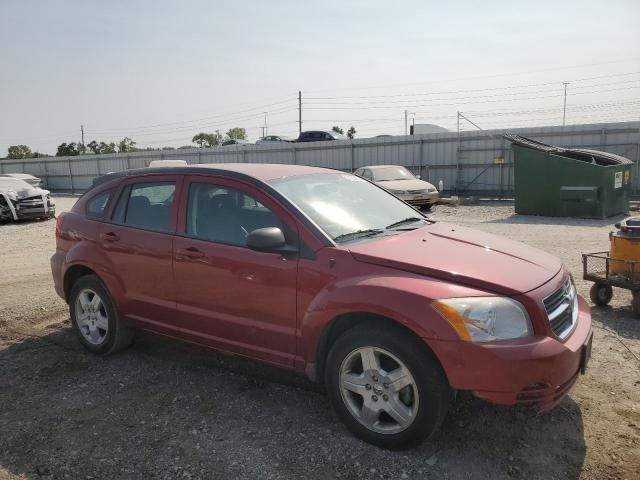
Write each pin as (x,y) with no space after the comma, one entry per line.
(379,390)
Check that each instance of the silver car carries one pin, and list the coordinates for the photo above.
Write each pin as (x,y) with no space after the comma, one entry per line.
(402,183)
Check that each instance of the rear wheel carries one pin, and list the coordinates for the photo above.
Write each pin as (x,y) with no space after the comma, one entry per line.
(95,318)
(386,387)
(601,294)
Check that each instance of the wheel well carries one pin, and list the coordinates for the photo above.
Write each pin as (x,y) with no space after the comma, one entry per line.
(347,321)
(72,276)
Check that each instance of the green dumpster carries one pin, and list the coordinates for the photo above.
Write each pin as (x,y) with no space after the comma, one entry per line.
(564,182)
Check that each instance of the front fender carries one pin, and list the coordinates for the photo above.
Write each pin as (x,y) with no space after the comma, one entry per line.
(399,296)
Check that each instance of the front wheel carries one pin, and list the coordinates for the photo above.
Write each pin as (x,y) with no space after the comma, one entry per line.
(386,387)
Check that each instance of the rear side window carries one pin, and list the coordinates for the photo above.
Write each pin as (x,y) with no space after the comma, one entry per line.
(97,206)
(146,205)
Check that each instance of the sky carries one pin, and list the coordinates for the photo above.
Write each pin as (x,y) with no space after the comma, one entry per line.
(161,71)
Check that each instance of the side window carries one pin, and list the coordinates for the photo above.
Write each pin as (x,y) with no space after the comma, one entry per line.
(97,206)
(367,174)
(327,136)
(146,205)
(225,215)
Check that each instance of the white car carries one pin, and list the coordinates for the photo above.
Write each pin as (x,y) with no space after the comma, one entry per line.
(30,179)
(20,200)
(167,163)
(274,139)
(402,183)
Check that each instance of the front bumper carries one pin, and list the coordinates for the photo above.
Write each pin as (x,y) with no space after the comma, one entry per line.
(36,212)
(419,200)
(537,371)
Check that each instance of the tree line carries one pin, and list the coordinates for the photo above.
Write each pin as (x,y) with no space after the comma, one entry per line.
(202,139)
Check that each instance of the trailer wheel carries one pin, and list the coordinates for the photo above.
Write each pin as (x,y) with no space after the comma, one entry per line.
(601,294)
(635,303)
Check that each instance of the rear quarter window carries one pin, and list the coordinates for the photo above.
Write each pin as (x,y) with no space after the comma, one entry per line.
(97,206)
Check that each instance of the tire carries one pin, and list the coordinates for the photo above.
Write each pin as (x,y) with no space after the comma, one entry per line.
(635,303)
(95,317)
(421,405)
(601,294)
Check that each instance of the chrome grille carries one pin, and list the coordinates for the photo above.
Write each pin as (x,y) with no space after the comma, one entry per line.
(562,309)
(415,192)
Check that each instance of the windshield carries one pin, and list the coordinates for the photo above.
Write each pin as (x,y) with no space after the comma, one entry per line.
(342,204)
(392,173)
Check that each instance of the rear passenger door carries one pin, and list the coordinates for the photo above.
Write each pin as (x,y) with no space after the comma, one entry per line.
(138,239)
(229,296)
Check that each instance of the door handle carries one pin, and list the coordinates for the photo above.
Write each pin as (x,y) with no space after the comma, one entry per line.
(191,252)
(109,237)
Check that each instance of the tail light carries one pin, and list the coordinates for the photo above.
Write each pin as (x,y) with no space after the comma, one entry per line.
(59,224)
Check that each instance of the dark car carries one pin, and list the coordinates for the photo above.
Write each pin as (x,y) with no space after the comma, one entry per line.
(320,136)
(327,274)
(233,141)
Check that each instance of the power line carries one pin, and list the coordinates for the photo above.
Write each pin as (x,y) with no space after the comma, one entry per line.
(463,103)
(260,107)
(479,89)
(505,74)
(404,102)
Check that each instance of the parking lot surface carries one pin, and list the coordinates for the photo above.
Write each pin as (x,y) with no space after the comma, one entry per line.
(165,409)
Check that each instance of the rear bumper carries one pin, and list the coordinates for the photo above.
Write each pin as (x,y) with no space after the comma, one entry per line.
(57,261)
(535,372)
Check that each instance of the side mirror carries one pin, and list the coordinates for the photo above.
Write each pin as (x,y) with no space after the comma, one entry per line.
(270,239)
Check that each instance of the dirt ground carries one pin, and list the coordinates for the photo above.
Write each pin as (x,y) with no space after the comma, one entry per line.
(164,409)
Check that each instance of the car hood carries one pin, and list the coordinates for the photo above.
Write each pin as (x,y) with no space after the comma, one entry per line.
(414,184)
(23,192)
(462,256)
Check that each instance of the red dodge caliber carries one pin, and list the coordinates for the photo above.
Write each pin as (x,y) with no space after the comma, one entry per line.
(325,273)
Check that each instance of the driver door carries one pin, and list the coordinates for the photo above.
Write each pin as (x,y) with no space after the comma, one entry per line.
(229,296)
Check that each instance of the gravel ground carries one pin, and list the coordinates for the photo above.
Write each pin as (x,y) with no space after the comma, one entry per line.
(164,409)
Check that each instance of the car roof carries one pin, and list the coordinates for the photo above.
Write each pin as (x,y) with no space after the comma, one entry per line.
(263,172)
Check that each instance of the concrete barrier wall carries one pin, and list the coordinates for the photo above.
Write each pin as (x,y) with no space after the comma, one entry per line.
(478,162)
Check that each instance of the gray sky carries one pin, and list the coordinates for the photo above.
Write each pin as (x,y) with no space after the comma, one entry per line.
(161,71)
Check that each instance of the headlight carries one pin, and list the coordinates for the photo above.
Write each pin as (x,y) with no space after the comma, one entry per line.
(431,189)
(482,319)
(399,192)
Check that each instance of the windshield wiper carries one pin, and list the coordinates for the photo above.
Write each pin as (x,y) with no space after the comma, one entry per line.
(369,232)
(405,221)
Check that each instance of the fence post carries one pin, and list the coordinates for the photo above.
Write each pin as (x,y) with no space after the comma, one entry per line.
(98,165)
(46,173)
(352,159)
(295,160)
(71,176)
(199,161)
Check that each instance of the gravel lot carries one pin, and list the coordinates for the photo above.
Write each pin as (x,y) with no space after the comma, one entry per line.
(164,409)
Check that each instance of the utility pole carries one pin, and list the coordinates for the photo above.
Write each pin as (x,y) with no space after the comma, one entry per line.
(564,109)
(405,122)
(264,132)
(299,111)
(82,135)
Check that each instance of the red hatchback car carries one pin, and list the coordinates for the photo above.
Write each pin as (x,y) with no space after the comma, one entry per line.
(325,273)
